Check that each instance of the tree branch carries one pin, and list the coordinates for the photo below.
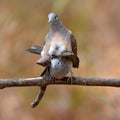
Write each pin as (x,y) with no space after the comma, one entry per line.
(20,82)
(42,82)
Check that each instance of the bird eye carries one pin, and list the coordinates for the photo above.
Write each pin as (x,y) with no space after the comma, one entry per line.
(55,17)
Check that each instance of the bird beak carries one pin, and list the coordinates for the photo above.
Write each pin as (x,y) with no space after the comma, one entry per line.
(51,17)
(49,20)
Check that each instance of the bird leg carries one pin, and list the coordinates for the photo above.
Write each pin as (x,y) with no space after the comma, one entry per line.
(52,79)
(71,78)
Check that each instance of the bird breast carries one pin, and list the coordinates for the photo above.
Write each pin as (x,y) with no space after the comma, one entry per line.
(58,45)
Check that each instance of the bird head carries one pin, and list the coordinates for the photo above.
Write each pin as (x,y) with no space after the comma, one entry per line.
(53,18)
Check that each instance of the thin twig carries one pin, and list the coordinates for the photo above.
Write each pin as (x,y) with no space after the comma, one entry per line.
(39,97)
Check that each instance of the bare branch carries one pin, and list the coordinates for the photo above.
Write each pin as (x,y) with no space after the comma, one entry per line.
(42,82)
(20,82)
(86,81)
(39,81)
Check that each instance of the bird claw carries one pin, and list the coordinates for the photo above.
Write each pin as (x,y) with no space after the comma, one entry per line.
(71,79)
(53,79)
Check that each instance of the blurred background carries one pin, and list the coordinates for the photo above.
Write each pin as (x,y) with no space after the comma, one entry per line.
(96,26)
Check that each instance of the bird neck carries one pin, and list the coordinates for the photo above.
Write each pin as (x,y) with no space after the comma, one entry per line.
(57,26)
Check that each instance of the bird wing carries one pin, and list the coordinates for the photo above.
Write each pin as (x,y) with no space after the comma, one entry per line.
(35,49)
(74,58)
(73,44)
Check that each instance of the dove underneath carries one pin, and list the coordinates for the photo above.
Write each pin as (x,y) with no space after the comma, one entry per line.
(59,68)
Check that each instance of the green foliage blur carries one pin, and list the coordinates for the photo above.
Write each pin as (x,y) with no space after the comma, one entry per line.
(96,26)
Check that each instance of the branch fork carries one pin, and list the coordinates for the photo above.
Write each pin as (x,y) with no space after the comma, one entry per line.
(42,82)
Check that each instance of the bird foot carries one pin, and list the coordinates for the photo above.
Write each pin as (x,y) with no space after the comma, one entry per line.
(53,79)
(44,61)
(71,79)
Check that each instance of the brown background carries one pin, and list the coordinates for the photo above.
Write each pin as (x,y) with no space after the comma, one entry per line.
(96,25)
